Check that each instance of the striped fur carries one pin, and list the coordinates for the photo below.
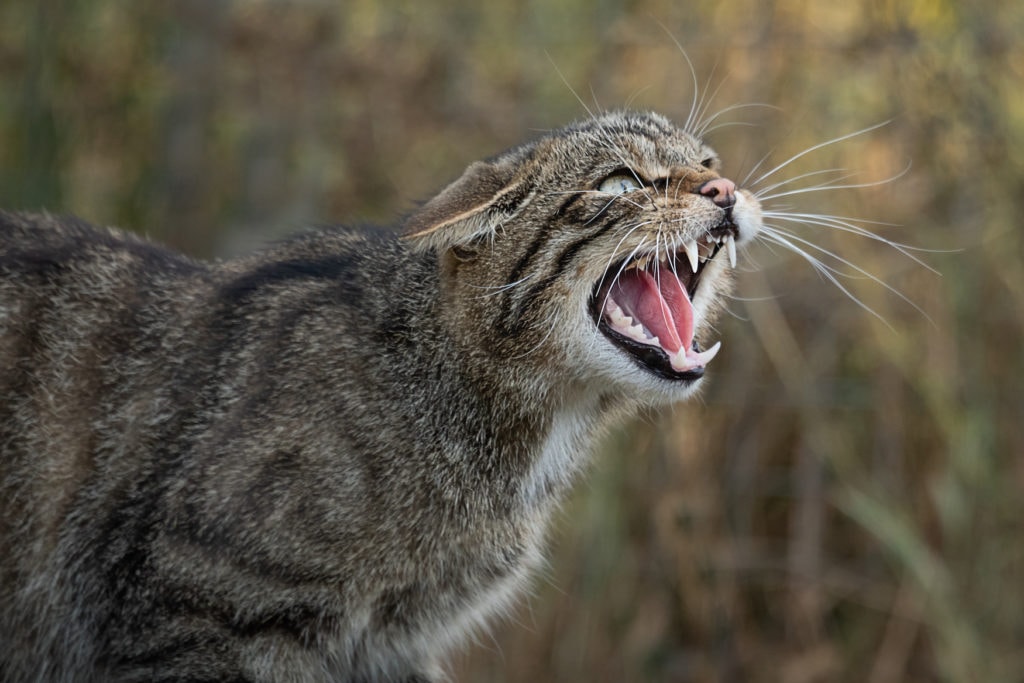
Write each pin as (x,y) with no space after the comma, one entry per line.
(333,459)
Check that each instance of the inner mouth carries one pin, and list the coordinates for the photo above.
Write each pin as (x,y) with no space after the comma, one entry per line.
(643,306)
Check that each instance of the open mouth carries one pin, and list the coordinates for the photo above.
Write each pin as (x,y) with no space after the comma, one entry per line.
(643,305)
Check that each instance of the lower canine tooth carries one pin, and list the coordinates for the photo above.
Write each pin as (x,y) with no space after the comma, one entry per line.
(681,362)
(704,357)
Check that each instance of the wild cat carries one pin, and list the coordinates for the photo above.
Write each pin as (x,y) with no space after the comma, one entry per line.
(333,459)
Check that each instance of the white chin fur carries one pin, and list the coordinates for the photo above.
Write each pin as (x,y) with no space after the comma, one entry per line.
(612,368)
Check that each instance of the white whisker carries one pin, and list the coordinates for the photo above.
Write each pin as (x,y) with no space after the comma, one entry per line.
(705,126)
(828,186)
(846,224)
(690,119)
(498,289)
(792,241)
(569,86)
(706,99)
(636,94)
(550,329)
(726,124)
(802,176)
(816,147)
(752,171)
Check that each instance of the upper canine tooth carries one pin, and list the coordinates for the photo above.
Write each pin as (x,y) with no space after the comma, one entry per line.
(730,246)
(691,253)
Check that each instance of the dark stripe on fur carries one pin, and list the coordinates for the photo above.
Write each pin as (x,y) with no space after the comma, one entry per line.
(514,322)
(244,287)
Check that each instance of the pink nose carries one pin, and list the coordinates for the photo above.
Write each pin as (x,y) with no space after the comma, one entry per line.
(721,191)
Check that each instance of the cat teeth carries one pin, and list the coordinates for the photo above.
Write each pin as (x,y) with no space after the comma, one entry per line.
(616,315)
(691,254)
(692,248)
(637,333)
(681,362)
(640,262)
(705,357)
(624,324)
(727,241)
(730,247)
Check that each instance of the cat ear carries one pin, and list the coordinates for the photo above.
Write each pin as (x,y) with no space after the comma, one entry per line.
(487,195)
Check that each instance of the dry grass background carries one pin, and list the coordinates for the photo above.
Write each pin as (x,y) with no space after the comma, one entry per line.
(845,502)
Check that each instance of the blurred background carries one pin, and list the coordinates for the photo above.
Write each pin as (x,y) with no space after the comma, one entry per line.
(845,501)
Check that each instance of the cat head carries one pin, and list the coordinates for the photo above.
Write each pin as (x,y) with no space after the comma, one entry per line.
(600,251)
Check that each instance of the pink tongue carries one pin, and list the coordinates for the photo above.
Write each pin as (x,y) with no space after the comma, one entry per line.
(662,307)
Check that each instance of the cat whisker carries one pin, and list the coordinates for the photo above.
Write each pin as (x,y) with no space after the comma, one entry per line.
(568,85)
(557,193)
(597,105)
(705,126)
(849,225)
(726,124)
(746,179)
(832,185)
(492,290)
(608,144)
(792,242)
(814,148)
(639,91)
(657,257)
(706,99)
(608,204)
(674,247)
(540,344)
(691,119)
(835,184)
(782,183)
(612,199)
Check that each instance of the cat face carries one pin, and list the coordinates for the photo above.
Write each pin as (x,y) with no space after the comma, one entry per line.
(602,249)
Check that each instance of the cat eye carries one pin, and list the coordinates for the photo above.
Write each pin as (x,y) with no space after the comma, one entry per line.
(619,183)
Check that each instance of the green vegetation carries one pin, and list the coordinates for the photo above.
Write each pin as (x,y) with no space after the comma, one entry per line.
(845,503)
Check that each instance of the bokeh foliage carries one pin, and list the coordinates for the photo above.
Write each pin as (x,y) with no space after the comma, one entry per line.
(845,501)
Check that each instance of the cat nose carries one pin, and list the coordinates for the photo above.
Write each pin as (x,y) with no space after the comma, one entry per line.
(721,191)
